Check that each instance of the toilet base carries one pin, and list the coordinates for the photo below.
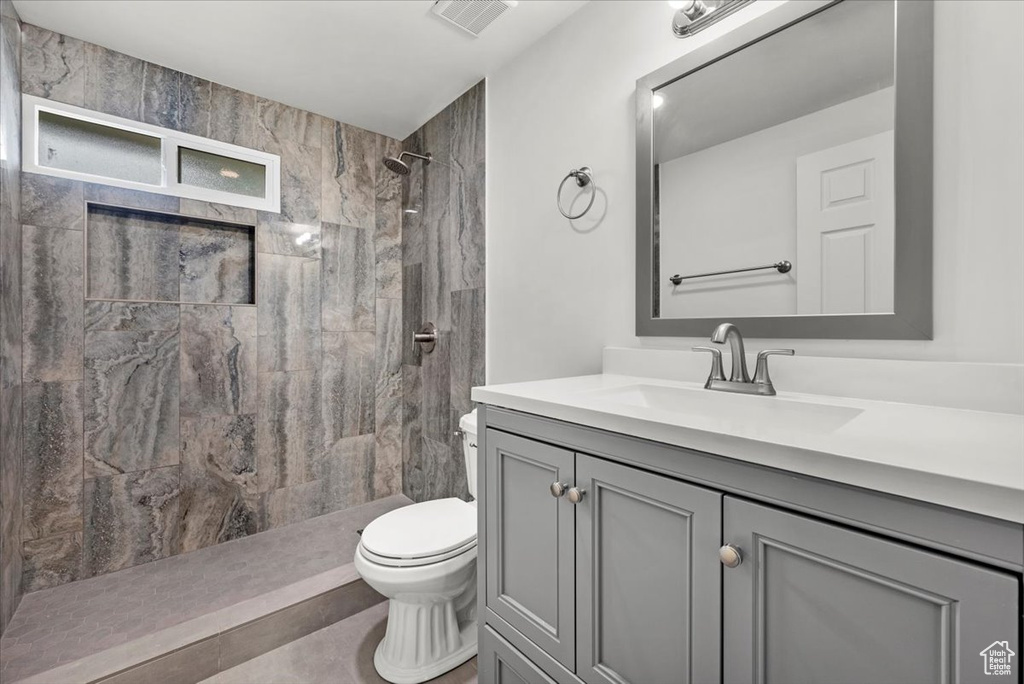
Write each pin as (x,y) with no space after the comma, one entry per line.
(423,641)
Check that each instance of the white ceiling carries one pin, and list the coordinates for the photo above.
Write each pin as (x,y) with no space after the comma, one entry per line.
(384,65)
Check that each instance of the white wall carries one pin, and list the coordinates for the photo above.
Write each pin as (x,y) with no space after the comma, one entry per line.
(704,228)
(558,292)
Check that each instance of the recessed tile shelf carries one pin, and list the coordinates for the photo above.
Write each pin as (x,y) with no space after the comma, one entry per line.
(140,255)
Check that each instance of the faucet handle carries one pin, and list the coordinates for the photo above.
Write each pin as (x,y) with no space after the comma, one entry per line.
(716,363)
(761,376)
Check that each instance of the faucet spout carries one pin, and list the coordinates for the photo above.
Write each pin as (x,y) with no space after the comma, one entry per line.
(727,332)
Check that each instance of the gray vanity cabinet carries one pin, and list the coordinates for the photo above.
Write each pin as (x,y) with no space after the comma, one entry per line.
(498,662)
(816,603)
(626,575)
(531,544)
(648,581)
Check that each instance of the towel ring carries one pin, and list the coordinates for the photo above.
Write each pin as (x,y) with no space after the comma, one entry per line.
(584,177)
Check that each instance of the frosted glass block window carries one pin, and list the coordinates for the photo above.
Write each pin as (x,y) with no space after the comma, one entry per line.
(72,144)
(217,172)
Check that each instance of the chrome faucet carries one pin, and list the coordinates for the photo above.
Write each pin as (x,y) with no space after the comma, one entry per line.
(739,380)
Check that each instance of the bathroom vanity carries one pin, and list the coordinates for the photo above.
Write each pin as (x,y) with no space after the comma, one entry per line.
(756,539)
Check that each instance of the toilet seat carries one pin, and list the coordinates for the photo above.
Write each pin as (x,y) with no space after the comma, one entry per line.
(421,534)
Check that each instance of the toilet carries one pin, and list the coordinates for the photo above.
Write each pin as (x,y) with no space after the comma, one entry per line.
(423,559)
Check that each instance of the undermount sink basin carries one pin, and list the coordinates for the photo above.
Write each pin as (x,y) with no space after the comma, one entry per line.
(743,412)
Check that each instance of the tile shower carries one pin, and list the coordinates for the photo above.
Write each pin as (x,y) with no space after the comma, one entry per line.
(178,373)
(156,427)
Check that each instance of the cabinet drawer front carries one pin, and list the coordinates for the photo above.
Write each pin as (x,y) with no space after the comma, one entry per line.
(501,663)
(648,592)
(816,603)
(530,542)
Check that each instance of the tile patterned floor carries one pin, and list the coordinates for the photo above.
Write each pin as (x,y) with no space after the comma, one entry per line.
(339,654)
(62,624)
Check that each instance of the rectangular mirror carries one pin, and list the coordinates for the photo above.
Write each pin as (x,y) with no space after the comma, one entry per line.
(784,177)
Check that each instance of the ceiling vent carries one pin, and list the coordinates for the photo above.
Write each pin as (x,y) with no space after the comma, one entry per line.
(472,16)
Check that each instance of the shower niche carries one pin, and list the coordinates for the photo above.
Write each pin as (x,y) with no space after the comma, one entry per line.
(140,255)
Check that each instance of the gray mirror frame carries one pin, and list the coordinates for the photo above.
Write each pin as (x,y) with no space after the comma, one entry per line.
(912,316)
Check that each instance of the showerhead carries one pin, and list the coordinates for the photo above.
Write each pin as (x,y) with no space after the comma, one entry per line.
(399,167)
(396,165)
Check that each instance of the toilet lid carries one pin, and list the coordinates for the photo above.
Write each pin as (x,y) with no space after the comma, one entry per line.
(425,529)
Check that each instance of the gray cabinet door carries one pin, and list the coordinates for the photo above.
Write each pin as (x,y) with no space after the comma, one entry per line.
(531,542)
(648,580)
(815,603)
(500,663)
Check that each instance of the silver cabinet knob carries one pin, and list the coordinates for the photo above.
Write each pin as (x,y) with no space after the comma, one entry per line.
(558,489)
(730,555)
(576,494)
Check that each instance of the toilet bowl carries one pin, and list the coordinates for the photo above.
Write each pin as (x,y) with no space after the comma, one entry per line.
(423,559)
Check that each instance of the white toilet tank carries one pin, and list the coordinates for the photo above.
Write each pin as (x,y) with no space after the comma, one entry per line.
(468,426)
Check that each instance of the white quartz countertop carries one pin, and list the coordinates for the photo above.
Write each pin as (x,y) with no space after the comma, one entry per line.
(969,460)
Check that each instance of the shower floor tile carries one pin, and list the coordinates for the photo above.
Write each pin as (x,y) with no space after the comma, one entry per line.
(56,626)
(339,654)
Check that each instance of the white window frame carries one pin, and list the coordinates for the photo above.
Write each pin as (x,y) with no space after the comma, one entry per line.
(170,141)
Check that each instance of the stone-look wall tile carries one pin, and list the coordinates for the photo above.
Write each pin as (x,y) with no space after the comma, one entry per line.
(232,116)
(412,432)
(468,127)
(52,307)
(131,401)
(348,275)
(114,82)
(441,474)
(52,561)
(52,66)
(412,200)
(388,430)
(348,385)
(160,95)
(218,212)
(130,519)
(388,232)
(125,316)
(289,429)
(436,396)
(52,459)
(10,500)
(49,202)
(347,473)
(437,223)
(294,231)
(444,277)
(218,480)
(412,312)
(344,481)
(216,264)
(350,165)
(11,328)
(132,256)
(289,313)
(123,197)
(278,124)
(467,352)
(218,360)
(195,96)
(468,238)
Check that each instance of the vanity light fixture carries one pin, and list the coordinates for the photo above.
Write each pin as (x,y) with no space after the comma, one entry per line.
(695,15)
(228,173)
(657,100)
